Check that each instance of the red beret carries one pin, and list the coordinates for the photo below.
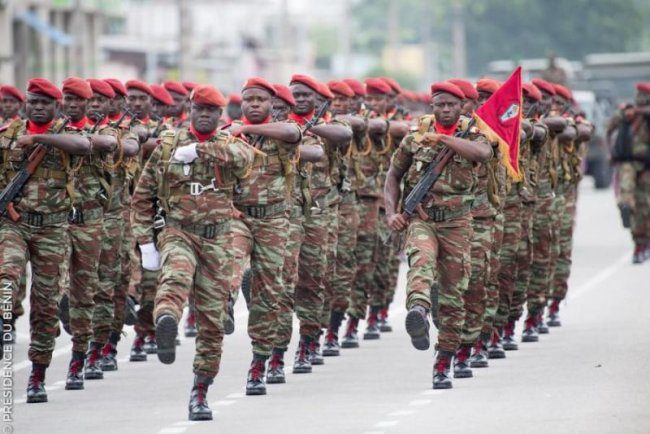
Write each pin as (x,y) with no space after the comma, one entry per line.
(12,91)
(284,93)
(189,85)
(489,85)
(447,87)
(356,86)
(563,92)
(117,86)
(206,94)
(44,87)
(161,95)
(174,86)
(325,91)
(341,88)
(543,85)
(643,87)
(531,91)
(467,87)
(139,85)
(259,83)
(77,86)
(306,80)
(235,98)
(101,87)
(377,85)
(394,86)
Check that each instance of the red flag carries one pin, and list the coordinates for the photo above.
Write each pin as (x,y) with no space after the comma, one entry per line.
(500,120)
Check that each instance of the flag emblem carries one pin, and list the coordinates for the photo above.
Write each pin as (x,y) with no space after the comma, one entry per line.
(511,113)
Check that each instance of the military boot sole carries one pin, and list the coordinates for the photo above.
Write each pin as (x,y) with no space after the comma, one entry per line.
(331,352)
(496,354)
(543,330)
(465,373)
(201,415)
(554,323)
(482,363)
(64,313)
(255,391)
(35,399)
(317,362)
(446,384)
(108,367)
(301,369)
(385,329)
(530,339)
(74,386)
(416,327)
(510,346)
(93,375)
(191,332)
(275,378)
(349,344)
(166,331)
(138,358)
(371,336)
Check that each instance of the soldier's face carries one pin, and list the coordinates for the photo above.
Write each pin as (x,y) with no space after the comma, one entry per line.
(256,104)
(358,102)
(469,105)
(340,105)
(116,105)
(305,99)
(527,104)
(205,118)
(376,102)
(233,110)
(40,109)
(98,107)
(281,109)
(139,103)
(557,103)
(158,109)
(642,99)
(10,106)
(391,101)
(179,106)
(74,106)
(446,108)
(482,97)
(547,100)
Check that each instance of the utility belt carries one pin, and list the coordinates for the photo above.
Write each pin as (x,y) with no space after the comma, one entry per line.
(37,219)
(209,231)
(441,214)
(43,173)
(78,216)
(263,211)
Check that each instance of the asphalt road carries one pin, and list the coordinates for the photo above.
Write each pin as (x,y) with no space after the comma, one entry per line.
(589,376)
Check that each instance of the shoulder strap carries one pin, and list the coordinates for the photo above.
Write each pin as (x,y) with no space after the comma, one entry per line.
(169,141)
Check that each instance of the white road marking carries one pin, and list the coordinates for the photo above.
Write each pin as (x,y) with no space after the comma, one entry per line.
(401,413)
(599,278)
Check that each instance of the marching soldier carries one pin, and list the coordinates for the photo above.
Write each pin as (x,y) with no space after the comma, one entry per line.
(11,104)
(177,112)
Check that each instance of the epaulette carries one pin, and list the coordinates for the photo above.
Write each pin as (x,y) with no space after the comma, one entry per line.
(11,128)
(424,124)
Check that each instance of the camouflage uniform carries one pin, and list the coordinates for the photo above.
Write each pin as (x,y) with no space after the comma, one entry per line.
(439,247)
(641,214)
(261,234)
(195,243)
(41,231)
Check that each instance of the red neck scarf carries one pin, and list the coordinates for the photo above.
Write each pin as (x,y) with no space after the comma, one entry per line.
(145,120)
(245,121)
(34,128)
(202,137)
(80,124)
(115,117)
(447,131)
(301,119)
(103,122)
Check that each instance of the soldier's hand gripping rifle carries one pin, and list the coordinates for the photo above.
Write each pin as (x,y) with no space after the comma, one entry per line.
(413,201)
(27,168)
(311,123)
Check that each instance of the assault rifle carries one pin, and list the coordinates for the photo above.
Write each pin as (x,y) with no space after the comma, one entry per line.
(311,123)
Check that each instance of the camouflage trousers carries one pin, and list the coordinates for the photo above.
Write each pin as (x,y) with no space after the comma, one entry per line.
(86,242)
(524,261)
(626,177)
(541,265)
(45,246)
(312,265)
(492,301)
(508,270)
(145,290)
(290,279)
(475,298)
(126,249)
(203,267)
(557,209)
(21,295)
(560,280)
(367,236)
(263,241)
(109,273)
(346,261)
(330,270)
(385,276)
(440,251)
(641,215)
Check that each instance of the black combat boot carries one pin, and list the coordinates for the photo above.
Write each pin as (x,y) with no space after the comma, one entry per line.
(150,345)
(639,254)
(93,370)
(75,380)
(542,328)
(255,384)
(479,357)
(384,325)
(137,352)
(331,346)
(190,324)
(372,326)
(36,384)
(229,320)
(315,355)
(198,407)
(509,341)
(351,339)
(417,326)
(109,353)
(441,367)
(554,314)
(275,374)
(301,363)
(626,215)
(495,348)
(530,330)
(166,331)
(130,312)
(64,313)
(461,367)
